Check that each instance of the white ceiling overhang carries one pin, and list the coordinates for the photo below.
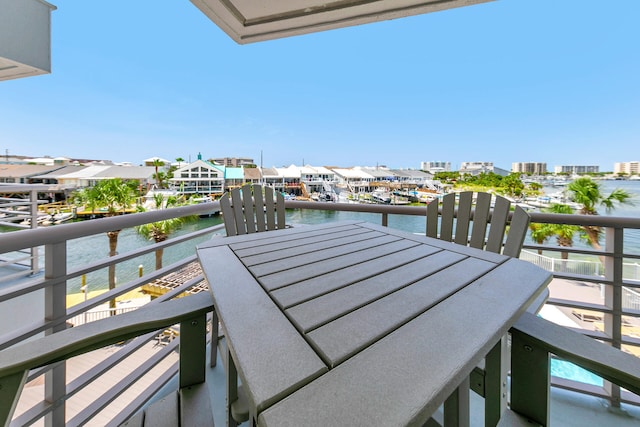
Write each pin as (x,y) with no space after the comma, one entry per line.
(25,38)
(248,21)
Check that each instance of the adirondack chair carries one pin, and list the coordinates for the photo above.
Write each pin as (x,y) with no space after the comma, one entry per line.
(188,406)
(470,224)
(251,209)
(455,219)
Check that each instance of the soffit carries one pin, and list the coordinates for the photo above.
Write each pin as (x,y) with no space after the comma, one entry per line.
(247,21)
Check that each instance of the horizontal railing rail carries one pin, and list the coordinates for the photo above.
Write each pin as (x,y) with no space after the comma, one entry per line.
(609,269)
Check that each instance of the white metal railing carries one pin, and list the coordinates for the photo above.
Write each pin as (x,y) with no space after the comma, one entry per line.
(573,266)
(612,259)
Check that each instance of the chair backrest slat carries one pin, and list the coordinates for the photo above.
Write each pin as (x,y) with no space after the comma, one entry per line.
(270,208)
(499,219)
(447,217)
(432,218)
(249,209)
(517,232)
(481,215)
(238,210)
(463,218)
(259,203)
(228,215)
(280,213)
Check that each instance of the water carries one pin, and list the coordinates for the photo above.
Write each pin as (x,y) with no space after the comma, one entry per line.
(86,250)
(569,371)
(83,251)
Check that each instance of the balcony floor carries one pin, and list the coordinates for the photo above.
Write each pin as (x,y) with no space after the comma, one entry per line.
(567,408)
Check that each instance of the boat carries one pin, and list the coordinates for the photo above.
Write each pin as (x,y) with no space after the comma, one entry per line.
(381,196)
(205,199)
(61,217)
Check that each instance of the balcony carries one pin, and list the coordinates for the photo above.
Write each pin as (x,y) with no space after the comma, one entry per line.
(138,365)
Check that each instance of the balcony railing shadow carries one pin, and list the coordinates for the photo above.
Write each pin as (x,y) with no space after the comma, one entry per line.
(48,291)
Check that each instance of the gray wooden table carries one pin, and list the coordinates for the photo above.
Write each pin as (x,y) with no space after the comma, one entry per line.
(350,323)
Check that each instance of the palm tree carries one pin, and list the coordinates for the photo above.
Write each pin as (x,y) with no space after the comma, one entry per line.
(116,196)
(588,193)
(158,176)
(159,231)
(540,233)
(564,233)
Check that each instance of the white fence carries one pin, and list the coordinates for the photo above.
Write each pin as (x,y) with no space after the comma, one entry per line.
(630,271)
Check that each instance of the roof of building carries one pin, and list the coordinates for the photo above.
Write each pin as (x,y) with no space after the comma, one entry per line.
(379,173)
(252,174)
(127,172)
(413,173)
(233,173)
(65,170)
(25,171)
(292,171)
(86,172)
(270,173)
(352,173)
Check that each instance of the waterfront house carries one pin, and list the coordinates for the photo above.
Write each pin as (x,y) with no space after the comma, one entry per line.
(233,177)
(252,175)
(89,176)
(23,173)
(200,177)
(316,179)
(354,180)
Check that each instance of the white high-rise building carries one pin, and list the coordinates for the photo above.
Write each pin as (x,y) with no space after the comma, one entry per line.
(435,167)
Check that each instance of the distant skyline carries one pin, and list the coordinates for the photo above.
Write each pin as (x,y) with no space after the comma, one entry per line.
(509,81)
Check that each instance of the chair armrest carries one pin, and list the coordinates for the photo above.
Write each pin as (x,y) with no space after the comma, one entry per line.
(608,362)
(82,339)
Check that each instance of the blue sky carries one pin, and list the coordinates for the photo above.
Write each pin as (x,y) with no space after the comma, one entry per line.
(555,81)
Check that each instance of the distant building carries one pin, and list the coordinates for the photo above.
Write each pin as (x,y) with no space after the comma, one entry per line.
(151,162)
(233,162)
(199,177)
(435,167)
(629,168)
(477,168)
(576,170)
(530,168)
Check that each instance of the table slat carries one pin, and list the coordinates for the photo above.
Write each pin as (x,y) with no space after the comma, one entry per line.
(360,268)
(272,358)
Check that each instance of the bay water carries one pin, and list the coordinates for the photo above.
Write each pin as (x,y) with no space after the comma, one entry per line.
(85,250)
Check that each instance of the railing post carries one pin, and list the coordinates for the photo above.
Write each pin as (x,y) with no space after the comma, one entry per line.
(385,219)
(35,262)
(55,307)
(614,244)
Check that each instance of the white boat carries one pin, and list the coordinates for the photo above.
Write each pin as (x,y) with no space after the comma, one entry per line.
(381,196)
(61,217)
